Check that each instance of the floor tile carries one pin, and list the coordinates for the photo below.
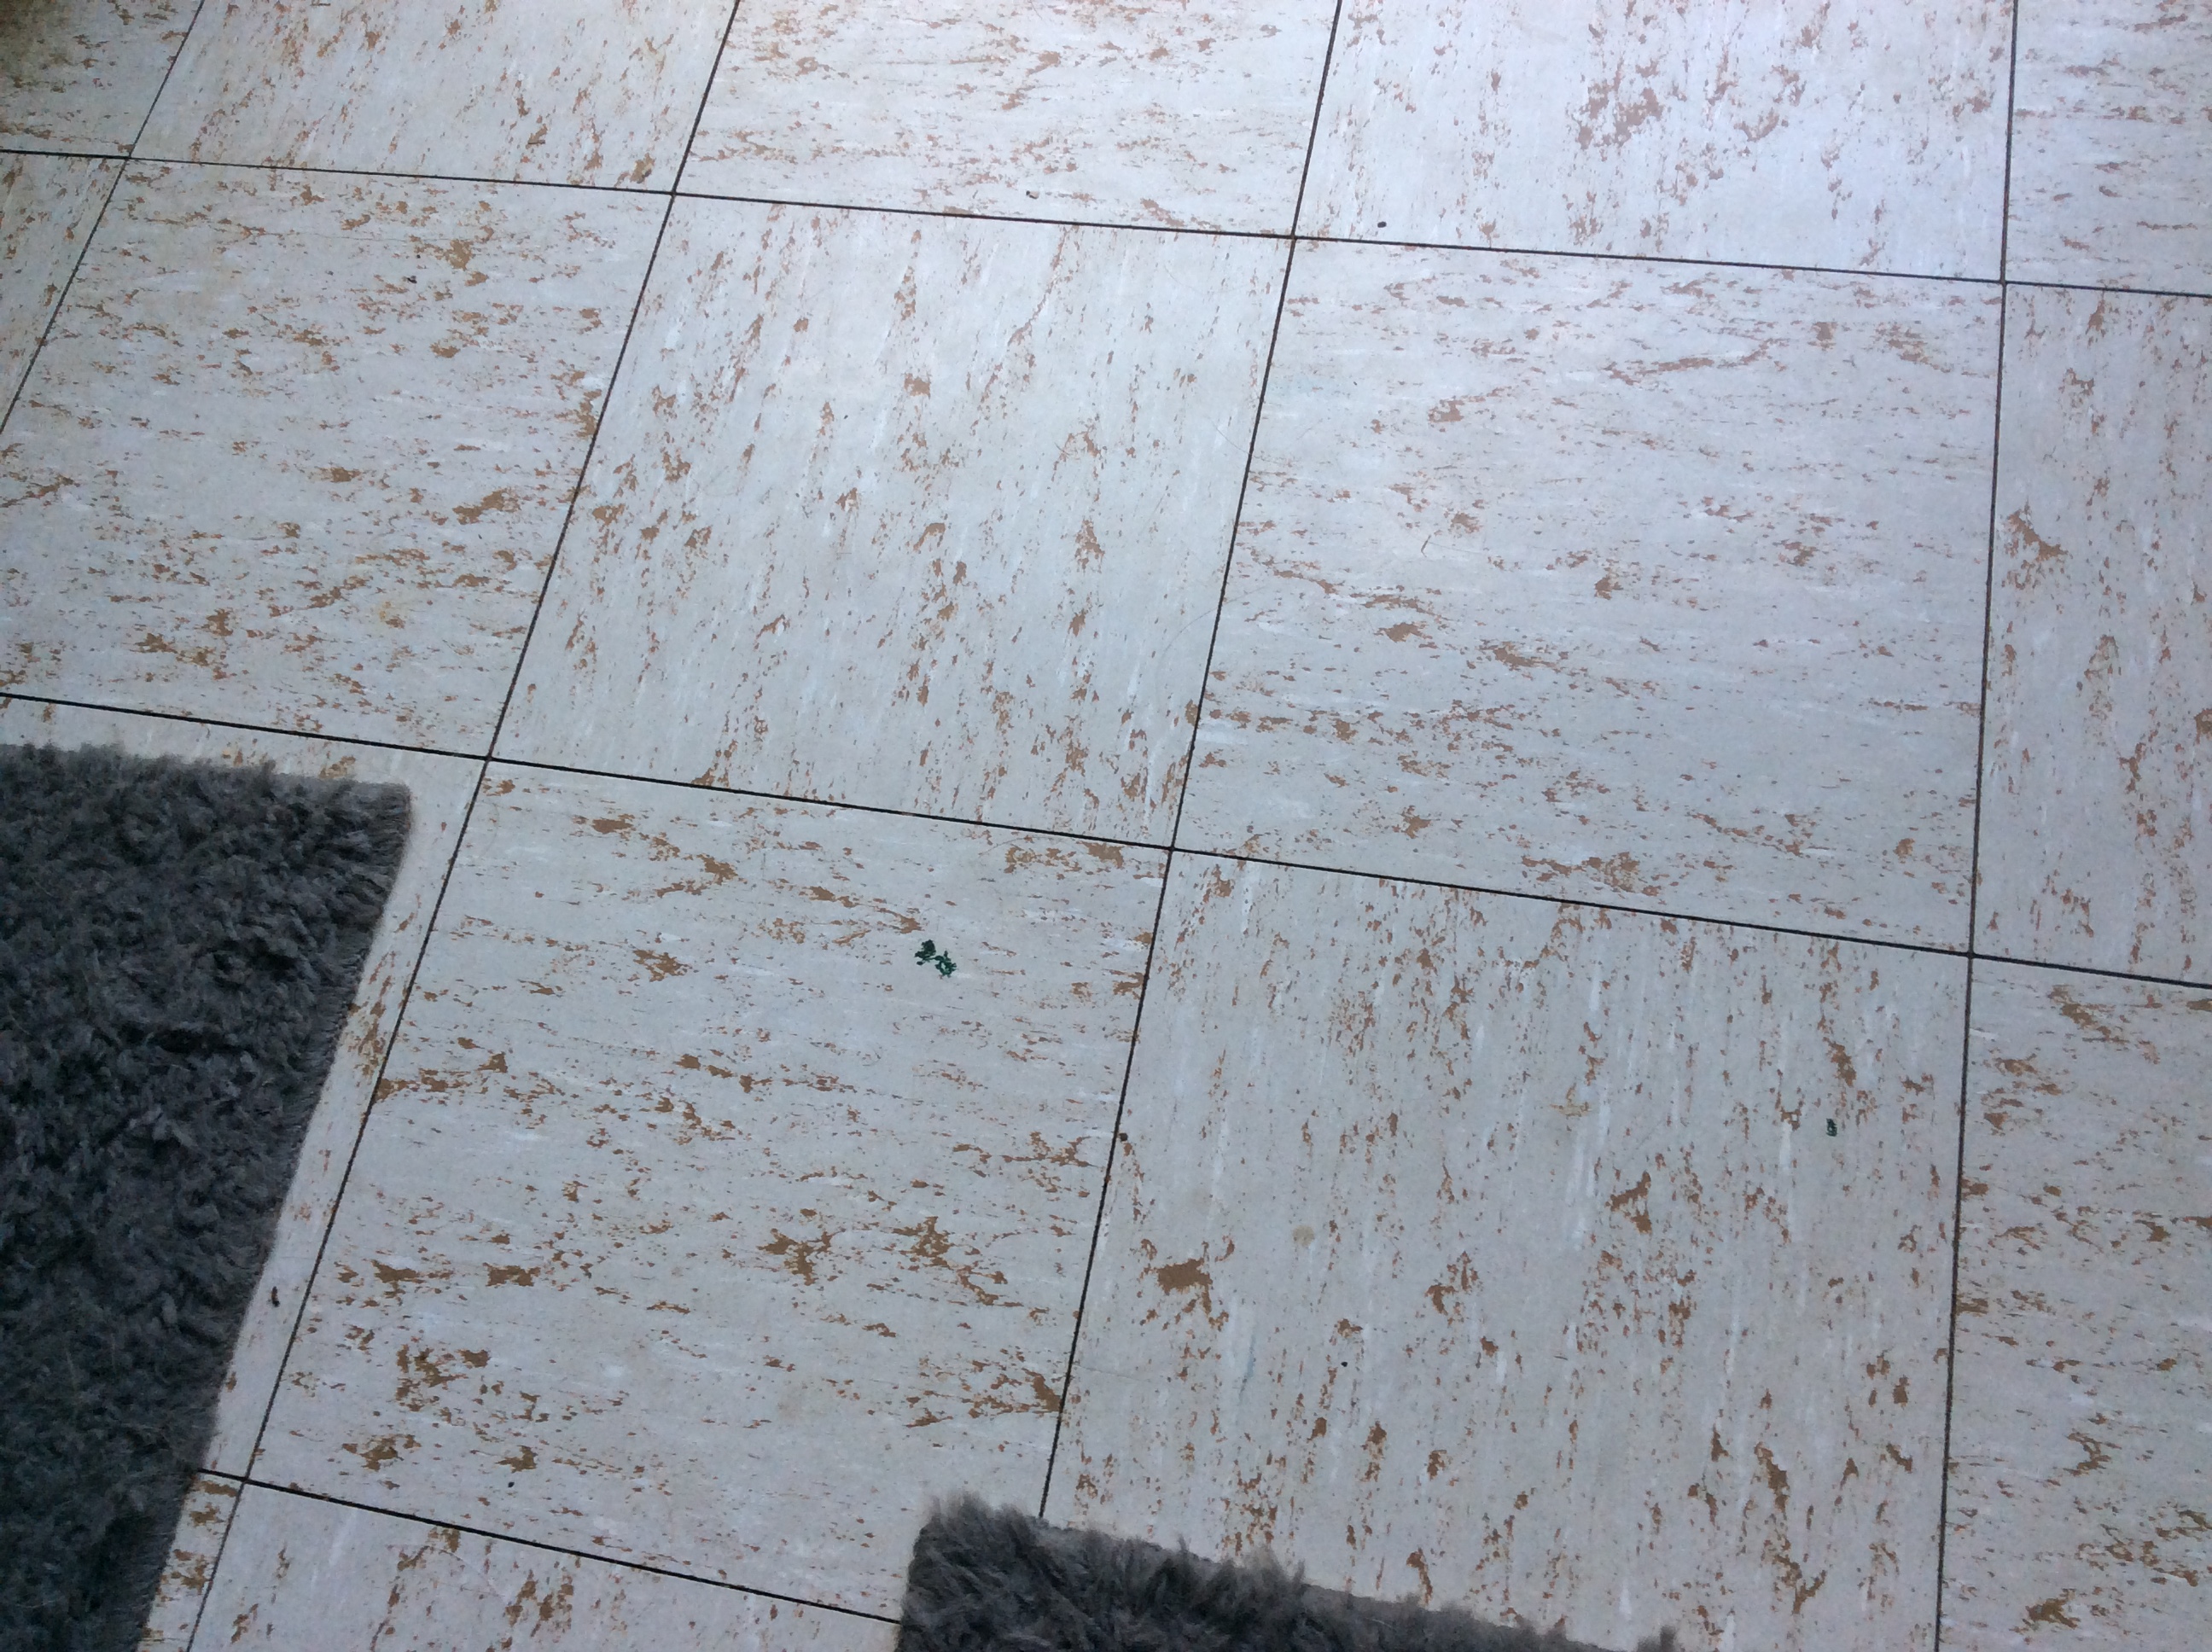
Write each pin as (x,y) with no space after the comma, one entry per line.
(560,92)
(1615,583)
(298,449)
(201,1526)
(47,206)
(2079,1450)
(1158,111)
(2097,808)
(700,1223)
(302,1572)
(1622,1335)
(1867,138)
(921,514)
(440,787)
(2111,146)
(79,75)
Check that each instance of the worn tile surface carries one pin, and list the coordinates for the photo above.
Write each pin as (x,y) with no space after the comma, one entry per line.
(558,91)
(201,1525)
(298,1568)
(298,448)
(701,1224)
(921,514)
(1863,137)
(440,788)
(1607,581)
(2081,1453)
(1497,1252)
(81,75)
(47,205)
(2112,152)
(1156,112)
(2097,814)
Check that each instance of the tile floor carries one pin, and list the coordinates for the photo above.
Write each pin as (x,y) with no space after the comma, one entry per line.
(1545,667)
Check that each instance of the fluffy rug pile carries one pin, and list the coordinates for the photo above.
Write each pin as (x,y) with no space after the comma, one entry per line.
(985,1580)
(178,947)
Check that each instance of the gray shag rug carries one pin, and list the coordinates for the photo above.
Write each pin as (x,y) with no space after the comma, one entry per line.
(985,1580)
(178,948)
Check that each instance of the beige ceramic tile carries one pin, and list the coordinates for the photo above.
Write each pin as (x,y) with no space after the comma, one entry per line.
(1615,582)
(81,73)
(558,91)
(1497,1252)
(1153,111)
(2097,812)
(1863,137)
(201,1525)
(441,788)
(299,1572)
(298,448)
(702,1225)
(47,205)
(2112,148)
(915,512)
(2081,1451)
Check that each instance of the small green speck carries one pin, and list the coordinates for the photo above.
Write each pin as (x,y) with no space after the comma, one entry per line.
(929,954)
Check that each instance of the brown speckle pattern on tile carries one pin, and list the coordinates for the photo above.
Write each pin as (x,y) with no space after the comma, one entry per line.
(81,75)
(47,204)
(201,1527)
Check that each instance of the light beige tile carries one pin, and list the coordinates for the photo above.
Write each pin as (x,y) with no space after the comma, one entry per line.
(1497,1252)
(700,1223)
(440,787)
(201,1526)
(922,513)
(47,205)
(2112,147)
(1155,112)
(2079,1440)
(81,75)
(558,91)
(1614,582)
(298,449)
(301,1572)
(1862,137)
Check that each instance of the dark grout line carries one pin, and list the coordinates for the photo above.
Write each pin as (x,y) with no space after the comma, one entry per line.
(404,177)
(2180,982)
(2123,292)
(1671,260)
(959,215)
(542,1546)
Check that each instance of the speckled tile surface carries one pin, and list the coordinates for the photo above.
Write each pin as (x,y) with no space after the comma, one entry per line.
(2097,814)
(701,1224)
(1867,137)
(1613,581)
(558,91)
(201,1526)
(81,75)
(440,788)
(874,505)
(2112,156)
(298,448)
(1497,1251)
(301,1572)
(1153,111)
(47,205)
(2079,1504)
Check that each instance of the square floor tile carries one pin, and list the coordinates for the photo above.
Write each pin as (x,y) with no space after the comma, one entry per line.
(918,513)
(2111,146)
(47,205)
(440,787)
(1614,582)
(81,73)
(1867,137)
(2097,806)
(1498,1252)
(558,91)
(301,1572)
(1159,111)
(2081,1453)
(700,1223)
(202,1525)
(298,449)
